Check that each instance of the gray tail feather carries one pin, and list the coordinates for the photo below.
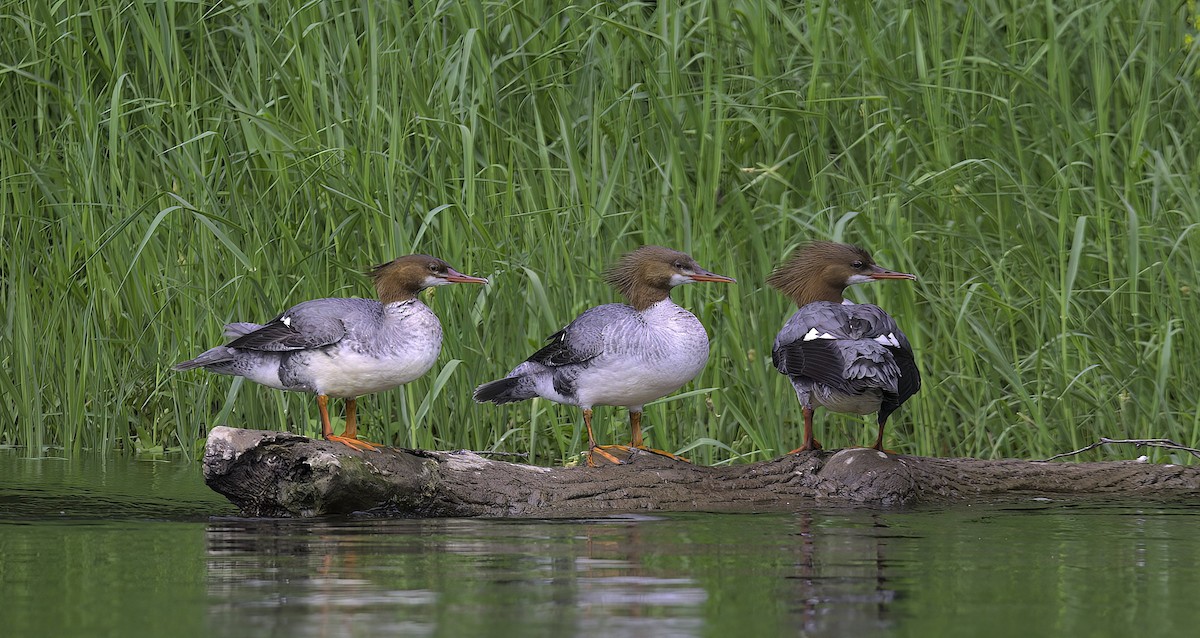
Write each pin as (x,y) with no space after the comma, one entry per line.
(219,354)
(506,390)
(215,356)
(240,328)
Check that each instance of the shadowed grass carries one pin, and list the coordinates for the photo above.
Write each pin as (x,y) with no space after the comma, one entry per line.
(174,166)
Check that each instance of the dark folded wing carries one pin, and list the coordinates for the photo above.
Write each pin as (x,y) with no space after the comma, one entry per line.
(805,347)
(583,339)
(849,347)
(910,376)
(299,328)
(820,361)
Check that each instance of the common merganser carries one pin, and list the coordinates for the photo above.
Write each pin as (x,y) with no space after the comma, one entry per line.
(617,354)
(844,356)
(343,347)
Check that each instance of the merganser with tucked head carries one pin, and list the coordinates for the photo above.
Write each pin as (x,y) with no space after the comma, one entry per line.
(844,356)
(343,347)
(617,354)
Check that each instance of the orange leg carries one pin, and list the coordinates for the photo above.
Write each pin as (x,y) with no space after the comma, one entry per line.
(809,442)
(351,419)
(350,438)
(594,449)
(635,424)
(323,406)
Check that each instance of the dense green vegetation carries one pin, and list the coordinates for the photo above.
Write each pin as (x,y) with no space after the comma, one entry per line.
(171,166)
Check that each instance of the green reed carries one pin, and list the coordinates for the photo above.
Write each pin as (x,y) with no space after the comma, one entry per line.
(173,166)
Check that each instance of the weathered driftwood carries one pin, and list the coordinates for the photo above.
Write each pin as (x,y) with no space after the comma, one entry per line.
(280,474)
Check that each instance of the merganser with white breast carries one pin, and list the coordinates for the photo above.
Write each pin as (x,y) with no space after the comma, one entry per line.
(343,347)
(617,354)
(844,356)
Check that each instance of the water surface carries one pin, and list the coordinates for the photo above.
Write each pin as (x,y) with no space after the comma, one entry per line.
(132,548)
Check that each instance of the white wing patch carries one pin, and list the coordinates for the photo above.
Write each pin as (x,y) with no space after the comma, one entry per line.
(287,321)
(814,334)
(888,339)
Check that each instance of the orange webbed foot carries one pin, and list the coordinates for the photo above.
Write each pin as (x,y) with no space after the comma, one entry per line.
(626,451)
(354,443)
(602,452)
(674,457)
(807,447)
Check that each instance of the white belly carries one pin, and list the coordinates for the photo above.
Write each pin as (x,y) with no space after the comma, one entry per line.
(635,383)
(632,357)
(349,374)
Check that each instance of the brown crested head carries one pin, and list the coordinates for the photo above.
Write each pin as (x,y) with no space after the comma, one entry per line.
(822,270)
(402,278)
(647,275)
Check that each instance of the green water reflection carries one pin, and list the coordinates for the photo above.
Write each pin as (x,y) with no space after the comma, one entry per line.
(135,549)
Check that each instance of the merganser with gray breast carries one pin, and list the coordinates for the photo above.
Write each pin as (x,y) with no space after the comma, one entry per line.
(617,354)
(843,356)
(343,347)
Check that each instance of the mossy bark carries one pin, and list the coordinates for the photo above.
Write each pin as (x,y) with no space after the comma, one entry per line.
(283,475)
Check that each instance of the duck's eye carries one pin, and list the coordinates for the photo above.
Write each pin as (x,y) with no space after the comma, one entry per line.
(679,265)
(434,268)
(858,265)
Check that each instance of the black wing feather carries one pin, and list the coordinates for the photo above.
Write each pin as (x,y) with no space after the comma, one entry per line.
(907,385)
(832,361)
(817,360)
(583,339)
(910,375)
(559,352)
(278,336)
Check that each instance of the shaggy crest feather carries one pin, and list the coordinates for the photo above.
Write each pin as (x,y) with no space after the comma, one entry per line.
(644,275)
(402,278)
(813,272)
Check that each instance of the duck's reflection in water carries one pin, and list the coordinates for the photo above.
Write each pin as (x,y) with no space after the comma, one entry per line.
(652,576)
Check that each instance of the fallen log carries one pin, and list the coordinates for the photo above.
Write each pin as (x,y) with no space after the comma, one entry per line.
(277,474)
